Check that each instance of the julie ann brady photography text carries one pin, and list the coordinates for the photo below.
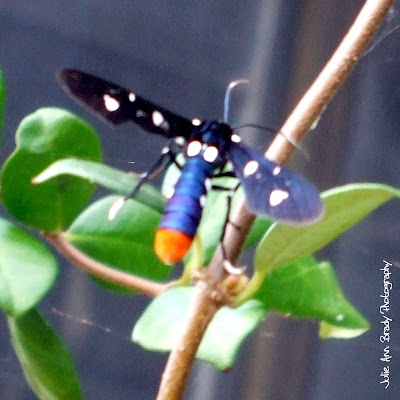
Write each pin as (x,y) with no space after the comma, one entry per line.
(386,320)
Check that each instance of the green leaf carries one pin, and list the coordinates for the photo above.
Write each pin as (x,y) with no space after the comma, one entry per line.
(257,231)
(111,178)
(163,321)
(228,330)
(284,244)
(45,360)
(27,270)
(3,95)
(43,137)
(328,331)
(126,242)
(212,222)
(310,290)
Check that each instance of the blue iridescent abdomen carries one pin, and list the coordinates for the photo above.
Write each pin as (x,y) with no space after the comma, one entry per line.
(183,210)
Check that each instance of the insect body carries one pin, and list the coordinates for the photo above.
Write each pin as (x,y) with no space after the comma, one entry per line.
(270,189)
(205,153)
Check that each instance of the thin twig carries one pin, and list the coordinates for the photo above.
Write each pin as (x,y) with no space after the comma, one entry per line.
(296,127)
(182,357)
(103,271)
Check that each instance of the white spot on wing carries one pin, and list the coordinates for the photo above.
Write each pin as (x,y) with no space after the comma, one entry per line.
(202,201)
(250,168)
(277,196)
(179,140)
(235,138)
(193,148)
(210,154)
(276,170)
(140,113)
(196,122)
(110,103)
(157,118)
(132,97)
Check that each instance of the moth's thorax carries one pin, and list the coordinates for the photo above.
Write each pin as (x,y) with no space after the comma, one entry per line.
(211,140)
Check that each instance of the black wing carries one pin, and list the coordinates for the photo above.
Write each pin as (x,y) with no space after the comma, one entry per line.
(273,190)
(118,105)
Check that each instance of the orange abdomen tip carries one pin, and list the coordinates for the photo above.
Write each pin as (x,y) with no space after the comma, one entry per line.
(171,245)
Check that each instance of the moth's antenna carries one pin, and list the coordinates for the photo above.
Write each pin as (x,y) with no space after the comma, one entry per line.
(275,130)
(228,96)
(252,125)
(256,126)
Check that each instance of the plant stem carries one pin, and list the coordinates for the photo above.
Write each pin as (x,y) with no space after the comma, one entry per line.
(103,271)
(182,357)
(295,128)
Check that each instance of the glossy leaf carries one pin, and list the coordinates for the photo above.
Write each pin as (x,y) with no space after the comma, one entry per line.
(45,360)
(345,207)
(308,289)
(43,137)
(111,178)
(27,270)
(163,321)
(126,242)
(330,331)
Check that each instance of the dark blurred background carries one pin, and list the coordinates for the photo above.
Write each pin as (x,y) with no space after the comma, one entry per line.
(182,54)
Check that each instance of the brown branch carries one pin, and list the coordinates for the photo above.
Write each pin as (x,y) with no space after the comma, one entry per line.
(308,109)
(182,357)
(103,271)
